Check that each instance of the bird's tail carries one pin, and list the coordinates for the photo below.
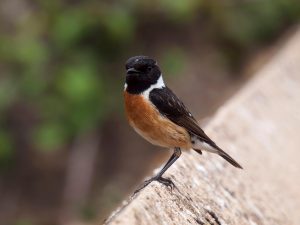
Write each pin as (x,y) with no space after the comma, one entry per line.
(228,158)
(199,145)
(225,156)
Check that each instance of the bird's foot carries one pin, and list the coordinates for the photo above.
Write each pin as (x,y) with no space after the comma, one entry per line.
(165,181)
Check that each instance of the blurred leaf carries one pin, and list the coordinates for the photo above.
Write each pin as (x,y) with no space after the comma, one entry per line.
(84,117)
(6,149)
(8,92)
(33,83)
(120,24)
(81,89)
(50,6)
(180,10)
(246,24)
(5,47)
(69,26)
(173,61)
(88,213)
(53,106)
(30,51)
(49,136)
(78,82)
(23,222)
(25,50)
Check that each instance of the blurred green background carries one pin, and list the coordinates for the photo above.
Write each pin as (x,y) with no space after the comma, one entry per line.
(67,155)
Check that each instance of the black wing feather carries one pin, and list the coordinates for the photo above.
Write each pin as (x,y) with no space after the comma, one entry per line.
(169,105)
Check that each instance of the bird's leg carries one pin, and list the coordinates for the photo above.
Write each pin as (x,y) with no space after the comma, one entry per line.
(173,158)
(158,177)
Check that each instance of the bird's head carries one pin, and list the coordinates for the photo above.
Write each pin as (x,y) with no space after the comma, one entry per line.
(141,73)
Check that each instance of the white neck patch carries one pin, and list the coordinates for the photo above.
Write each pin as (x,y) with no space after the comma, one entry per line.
(159,84)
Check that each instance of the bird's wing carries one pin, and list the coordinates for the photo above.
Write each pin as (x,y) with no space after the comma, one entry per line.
(169,105)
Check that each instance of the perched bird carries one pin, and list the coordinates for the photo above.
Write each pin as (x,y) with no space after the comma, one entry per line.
(158,115)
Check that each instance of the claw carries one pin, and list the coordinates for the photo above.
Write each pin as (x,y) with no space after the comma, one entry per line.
(167,182)
(158,177)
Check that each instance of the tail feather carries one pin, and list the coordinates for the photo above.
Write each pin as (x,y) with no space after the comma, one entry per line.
(199,145)
(221,153)
(199,151)
(228,158)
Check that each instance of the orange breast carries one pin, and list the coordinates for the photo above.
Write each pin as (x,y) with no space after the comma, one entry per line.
(148,122)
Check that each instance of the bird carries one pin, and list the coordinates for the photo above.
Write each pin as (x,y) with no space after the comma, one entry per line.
(160,117)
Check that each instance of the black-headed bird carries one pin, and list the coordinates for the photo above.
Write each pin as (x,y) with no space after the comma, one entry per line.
(157,114)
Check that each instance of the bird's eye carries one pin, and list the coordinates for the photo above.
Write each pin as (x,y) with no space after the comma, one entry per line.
(149,68)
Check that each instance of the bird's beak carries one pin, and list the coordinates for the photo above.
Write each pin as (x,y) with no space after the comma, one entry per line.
(132,71)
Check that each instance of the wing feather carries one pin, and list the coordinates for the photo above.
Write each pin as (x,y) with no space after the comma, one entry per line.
(170,106)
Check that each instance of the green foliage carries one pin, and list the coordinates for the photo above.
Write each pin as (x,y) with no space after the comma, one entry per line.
(49,136)
(8,93)
(173,61)
(77,82)
(69,26)
(241,26)
(6,149)
(179,10)
(88,213)
(29,51)
(249,22)
(119,24)
(23,222)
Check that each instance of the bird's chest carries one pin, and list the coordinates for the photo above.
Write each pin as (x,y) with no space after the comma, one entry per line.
(150,124)
(141,114)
